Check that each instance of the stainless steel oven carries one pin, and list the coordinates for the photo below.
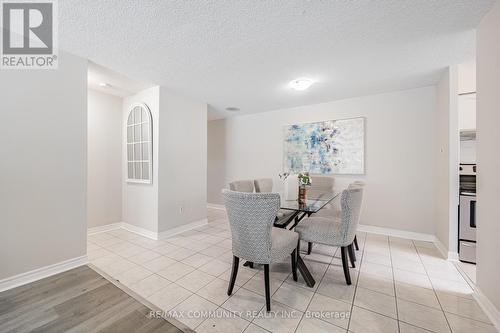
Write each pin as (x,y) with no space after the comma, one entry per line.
(468,202)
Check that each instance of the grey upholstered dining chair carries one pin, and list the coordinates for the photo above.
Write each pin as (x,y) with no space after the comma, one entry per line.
(265,185)
(251,217)
(356,184)
(320,185)
(242,186)
(330,212)
(339,232)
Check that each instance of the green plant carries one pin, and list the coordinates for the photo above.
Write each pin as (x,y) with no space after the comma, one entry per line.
(304,179)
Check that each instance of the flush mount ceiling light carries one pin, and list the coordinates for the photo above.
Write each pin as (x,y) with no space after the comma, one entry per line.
(104,84)
(232,109)
(301,84)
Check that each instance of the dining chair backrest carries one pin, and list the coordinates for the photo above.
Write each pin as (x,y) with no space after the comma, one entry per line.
(357,183)
(263,185)
(242,186)
(351,202)
(251,217)
(320,185)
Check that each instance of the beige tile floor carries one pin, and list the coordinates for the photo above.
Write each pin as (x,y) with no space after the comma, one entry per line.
(399,285)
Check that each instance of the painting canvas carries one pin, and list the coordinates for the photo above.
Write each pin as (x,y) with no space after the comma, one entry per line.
(328,147)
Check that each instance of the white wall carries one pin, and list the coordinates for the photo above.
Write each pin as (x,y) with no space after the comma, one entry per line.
(183,161)
(178,194)
(43,135)
(104,152)
(400,153)
(447,160)
(140,201)
(467,77)
(217,160)
(488,157)
(467,112)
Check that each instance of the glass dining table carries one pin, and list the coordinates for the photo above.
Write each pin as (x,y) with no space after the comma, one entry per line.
(298,211)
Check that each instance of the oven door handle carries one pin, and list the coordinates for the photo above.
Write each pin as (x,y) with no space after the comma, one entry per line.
(473,213)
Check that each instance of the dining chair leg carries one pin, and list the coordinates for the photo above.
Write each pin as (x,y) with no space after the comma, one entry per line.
(352,255)
(294,265)
(345,265)
(356,243)
(309,247)
(268,291)
(234,272)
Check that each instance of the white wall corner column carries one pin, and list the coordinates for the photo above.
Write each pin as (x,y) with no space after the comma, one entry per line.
(488,163)
(104,151)
(447,173)
(140,200)
(175,200)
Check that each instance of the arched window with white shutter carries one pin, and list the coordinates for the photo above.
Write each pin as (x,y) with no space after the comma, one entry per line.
(139,145)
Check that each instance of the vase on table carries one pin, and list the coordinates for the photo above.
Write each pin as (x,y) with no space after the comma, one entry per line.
(302,197)
(304,181)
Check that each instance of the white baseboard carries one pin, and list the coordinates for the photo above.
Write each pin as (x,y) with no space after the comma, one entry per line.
(216,206)
(441,248)
(145,232)
(42,272)
(488,307)
(140,231)
(484,303)
(396,233)
(453,256)
(123,225)
(449,255)
(182,228)
(104,228)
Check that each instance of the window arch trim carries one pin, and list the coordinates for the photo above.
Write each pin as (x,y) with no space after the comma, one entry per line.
(139,144)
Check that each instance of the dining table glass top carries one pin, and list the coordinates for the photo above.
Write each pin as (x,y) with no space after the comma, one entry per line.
(311,205)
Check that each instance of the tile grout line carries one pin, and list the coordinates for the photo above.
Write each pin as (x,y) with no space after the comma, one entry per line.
(155,273)
(381,314)
(252,322)
(315,292)
(394,284)
(392,248)
(357,281)
(432,284)
(151,249)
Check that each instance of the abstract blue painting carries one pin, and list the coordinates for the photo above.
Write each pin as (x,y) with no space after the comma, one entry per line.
(328,147)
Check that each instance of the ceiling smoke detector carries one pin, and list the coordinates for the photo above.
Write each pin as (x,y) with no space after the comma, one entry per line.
(301,84)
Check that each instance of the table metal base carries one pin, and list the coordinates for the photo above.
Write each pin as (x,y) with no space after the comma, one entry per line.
(304,271)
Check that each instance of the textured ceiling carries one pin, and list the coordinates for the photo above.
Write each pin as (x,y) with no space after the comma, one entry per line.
(244,53)
(117,84)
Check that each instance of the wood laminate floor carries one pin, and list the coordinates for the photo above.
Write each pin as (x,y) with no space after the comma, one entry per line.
(79,300)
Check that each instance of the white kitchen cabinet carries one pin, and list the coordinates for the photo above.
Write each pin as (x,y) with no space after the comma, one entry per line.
(467,112)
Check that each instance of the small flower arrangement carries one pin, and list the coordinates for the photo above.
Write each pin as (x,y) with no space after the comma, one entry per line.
(304,179)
